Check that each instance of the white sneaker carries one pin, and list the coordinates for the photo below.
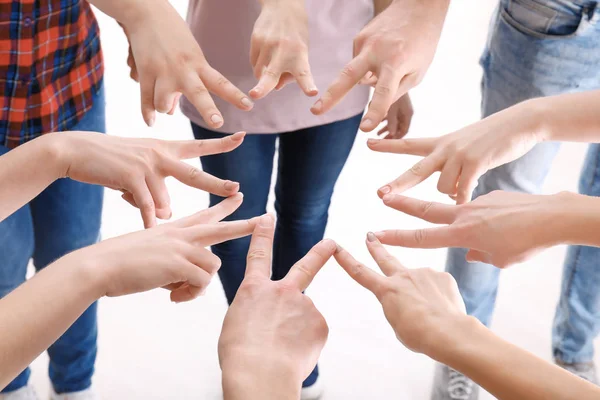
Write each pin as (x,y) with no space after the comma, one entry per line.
(25,393)
(313,392)
(87,394)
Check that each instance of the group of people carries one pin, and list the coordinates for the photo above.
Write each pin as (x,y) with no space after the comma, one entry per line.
(540,69)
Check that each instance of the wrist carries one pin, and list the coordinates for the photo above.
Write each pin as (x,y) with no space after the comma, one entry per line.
(261,376)
(447,335)
(85,272)
(537,113)
(54,151)
(579,217)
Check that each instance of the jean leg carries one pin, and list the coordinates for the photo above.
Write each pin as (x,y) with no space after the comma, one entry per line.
(310,162)
(251,164)
(577,319)
(67,217)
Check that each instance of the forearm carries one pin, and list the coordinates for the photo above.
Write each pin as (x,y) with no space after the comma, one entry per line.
(130,12)
(38,312)
(504,370)
(26,171)
(569,117)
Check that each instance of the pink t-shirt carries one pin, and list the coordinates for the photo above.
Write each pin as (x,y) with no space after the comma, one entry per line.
(223,29)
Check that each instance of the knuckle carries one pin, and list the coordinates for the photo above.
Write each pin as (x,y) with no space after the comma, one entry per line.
(270,72)
(417,169)
(193,173)
(420,235)
(349,72)
(426,207)
(257,254)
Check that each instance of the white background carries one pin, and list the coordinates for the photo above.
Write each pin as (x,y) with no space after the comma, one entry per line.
(152,349)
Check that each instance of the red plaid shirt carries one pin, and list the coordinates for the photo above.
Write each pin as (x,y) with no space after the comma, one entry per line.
(50,66)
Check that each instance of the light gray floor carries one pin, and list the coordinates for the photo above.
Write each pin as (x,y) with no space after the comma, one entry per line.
(151,349)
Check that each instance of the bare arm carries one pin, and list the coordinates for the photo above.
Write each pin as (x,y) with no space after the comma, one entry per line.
(494,141)
(428,315)
(173,256)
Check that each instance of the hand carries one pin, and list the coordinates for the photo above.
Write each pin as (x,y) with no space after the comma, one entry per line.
(465,155)
(168,62)
(398,119)
(279,48)
(501,228)
(397,47)
(420,304)
(272,330)
(138,167)
(172,255)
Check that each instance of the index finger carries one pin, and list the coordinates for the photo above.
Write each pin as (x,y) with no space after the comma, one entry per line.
(213,214)
(433,238)
(388,264)
(196,178)
(305,270)
(429,211)
(417,174)
(186,149)
(414,147)
(350,76)
(384,96)
(260,253)
(362,274)
(209,235)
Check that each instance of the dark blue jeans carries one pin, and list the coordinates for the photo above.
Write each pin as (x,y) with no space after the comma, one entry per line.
(63,218)
(310,162)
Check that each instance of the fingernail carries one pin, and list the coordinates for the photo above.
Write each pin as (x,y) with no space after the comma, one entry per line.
(216,119)
(366,124)
(372,142)
(318,106)
(385,189)
(230,186)
(246,102)
(313,89)
(388,198)
(266,221)
(238,136)
(371,237)
(151,120)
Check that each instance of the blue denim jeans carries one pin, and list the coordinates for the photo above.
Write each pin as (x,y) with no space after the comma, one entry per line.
(310,162)
(541,48)
(63,218)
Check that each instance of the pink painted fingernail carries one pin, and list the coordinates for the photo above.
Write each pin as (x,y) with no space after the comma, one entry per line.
(371,237)
(216,119)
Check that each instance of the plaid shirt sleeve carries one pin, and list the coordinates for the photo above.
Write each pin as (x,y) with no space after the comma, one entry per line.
(51,66)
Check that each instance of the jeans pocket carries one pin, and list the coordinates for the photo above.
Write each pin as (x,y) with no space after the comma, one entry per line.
(545,19)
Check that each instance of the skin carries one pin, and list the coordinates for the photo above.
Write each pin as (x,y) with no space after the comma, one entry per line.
(501,228)
(396,47)
(272,334)
(279,48)
(463,156)
(137,167)
(428,316)
(168,62)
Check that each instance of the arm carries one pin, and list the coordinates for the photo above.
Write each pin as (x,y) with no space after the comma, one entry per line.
(396,47)
(173,256)
(494,141)
(503,369)
(428,315)
(137,167)
(26,171)
(168,61)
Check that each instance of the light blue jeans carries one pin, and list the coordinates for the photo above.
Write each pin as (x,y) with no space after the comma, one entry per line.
(541,48)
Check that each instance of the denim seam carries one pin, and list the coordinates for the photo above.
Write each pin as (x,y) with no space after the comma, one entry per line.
(568,292)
